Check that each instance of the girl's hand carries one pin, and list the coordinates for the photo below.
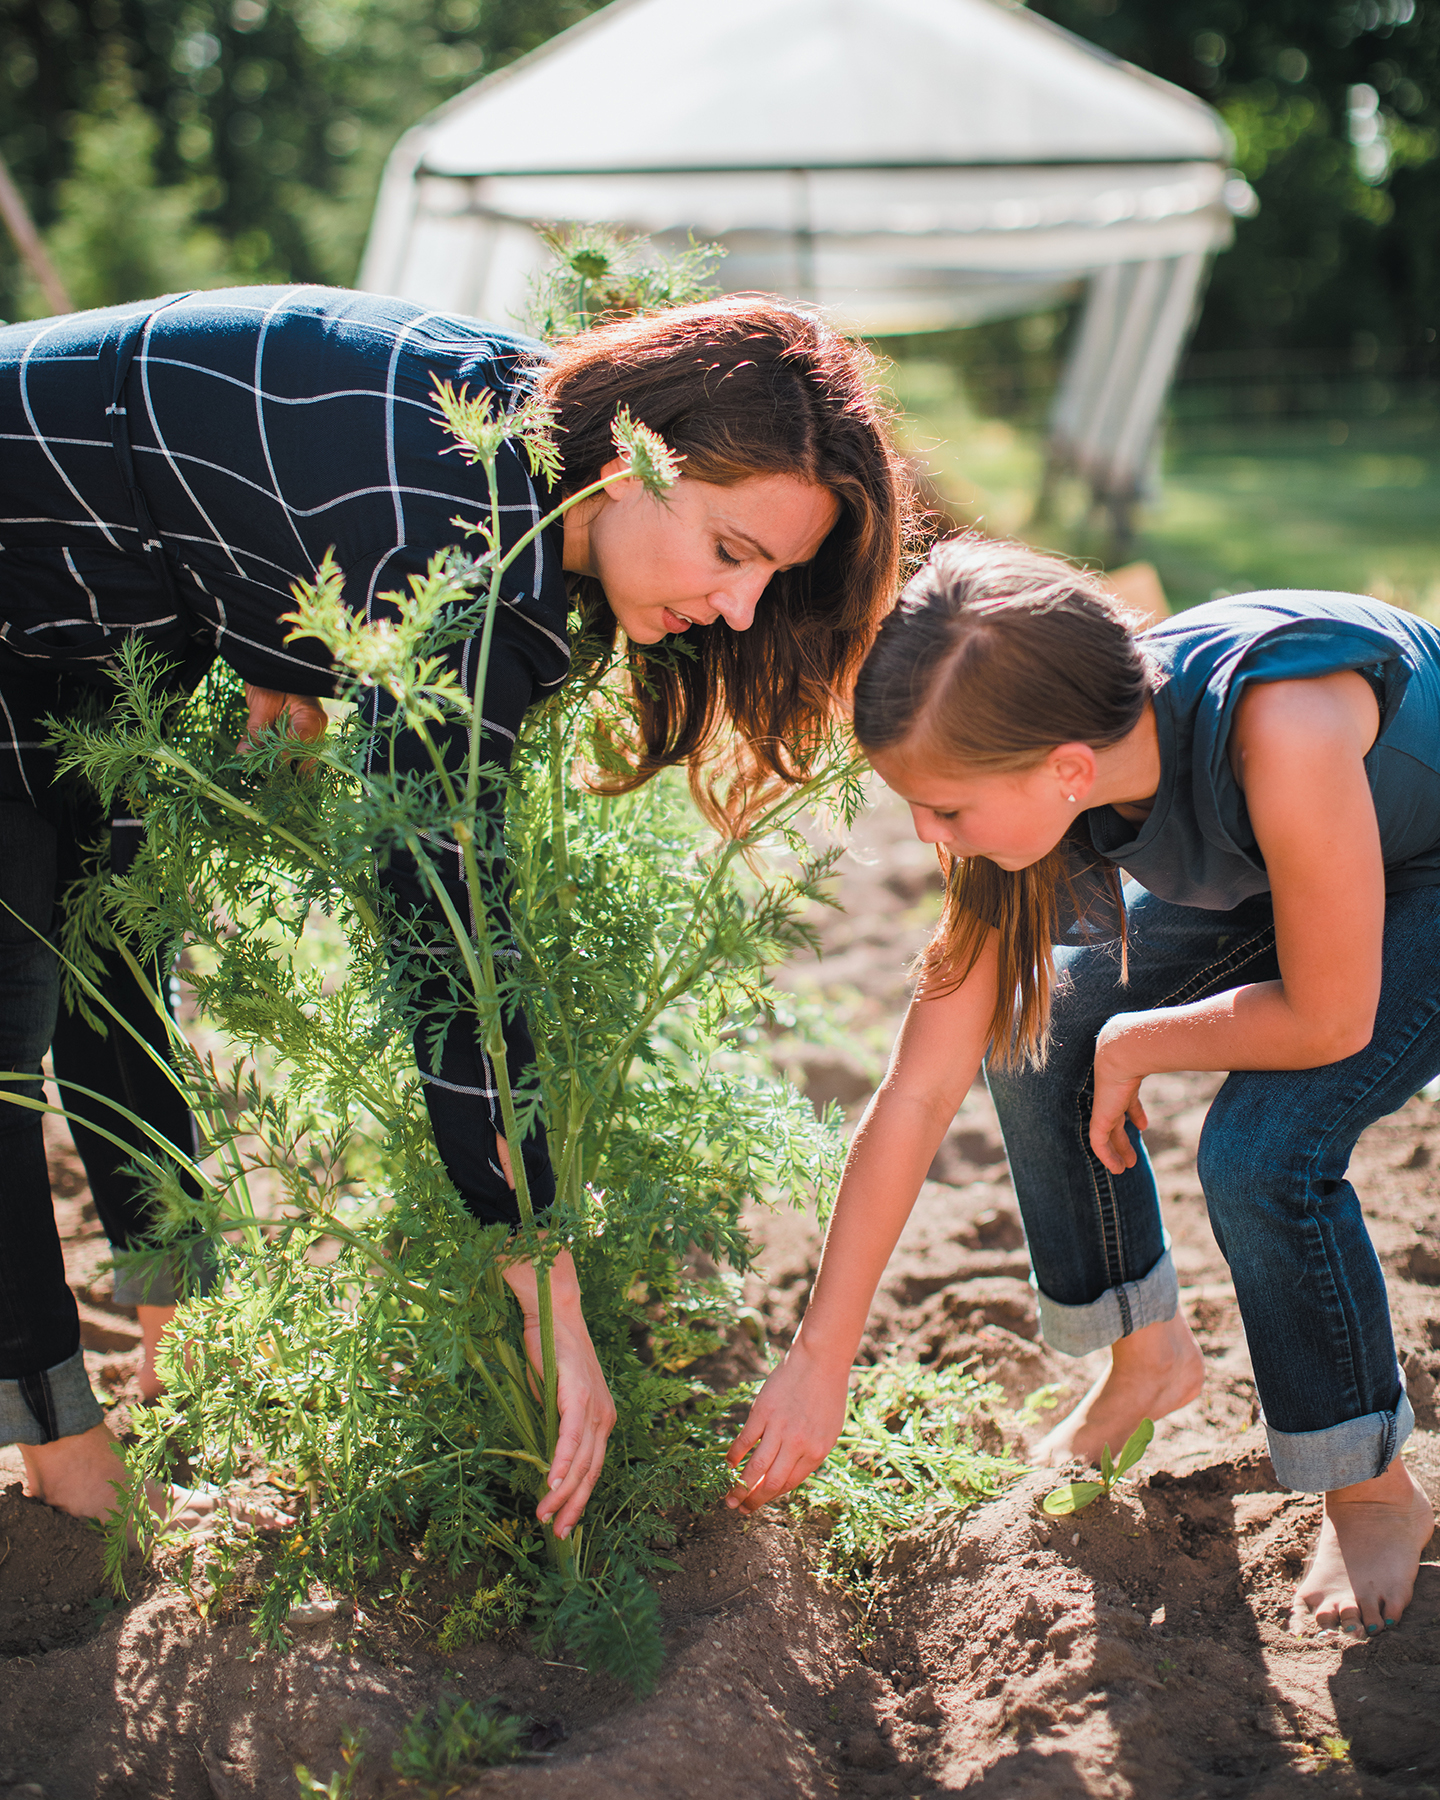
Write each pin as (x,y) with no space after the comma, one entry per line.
(792,1428)
(1117,1093)
(587,1413)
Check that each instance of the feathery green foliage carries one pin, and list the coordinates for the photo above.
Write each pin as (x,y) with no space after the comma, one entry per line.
(596,275)
(439,1754)
(907,1450)
(489,1611)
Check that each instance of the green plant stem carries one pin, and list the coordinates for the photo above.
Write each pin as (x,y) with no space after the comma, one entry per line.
(149,1164)
(172,759)
(481,967)
(671,983)
(491,1010)
(560,844)
(567,1179)
(555,515)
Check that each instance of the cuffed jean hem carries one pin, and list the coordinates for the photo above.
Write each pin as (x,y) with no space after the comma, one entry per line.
(167,1277)
(37,1409)
(1314,1462)
(1077,1330)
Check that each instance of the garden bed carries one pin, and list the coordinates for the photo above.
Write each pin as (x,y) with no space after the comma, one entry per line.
(1144,1647)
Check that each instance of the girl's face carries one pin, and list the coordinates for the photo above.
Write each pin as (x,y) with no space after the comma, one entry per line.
(1012,820)
(701,553)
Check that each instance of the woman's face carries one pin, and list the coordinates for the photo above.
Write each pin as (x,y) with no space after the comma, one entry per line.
(700,553)
(1012,820)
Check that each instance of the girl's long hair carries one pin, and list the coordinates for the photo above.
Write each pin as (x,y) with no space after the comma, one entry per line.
(996,655)
(740,387)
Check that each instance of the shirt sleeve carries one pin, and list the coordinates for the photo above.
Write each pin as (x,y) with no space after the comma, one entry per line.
(459,1078)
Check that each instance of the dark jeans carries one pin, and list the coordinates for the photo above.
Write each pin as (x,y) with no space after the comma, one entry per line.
(1272,1161)
(44,1393)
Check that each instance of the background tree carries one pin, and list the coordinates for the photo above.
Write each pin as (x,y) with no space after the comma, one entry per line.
(168,142)
(171,142)
(1335,106)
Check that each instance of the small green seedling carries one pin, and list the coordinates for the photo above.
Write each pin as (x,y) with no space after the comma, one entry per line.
(341,1785)
(1077,1494)
(443,1754)
(1044,1399)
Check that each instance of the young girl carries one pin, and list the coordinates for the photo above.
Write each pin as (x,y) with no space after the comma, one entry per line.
(1266,770)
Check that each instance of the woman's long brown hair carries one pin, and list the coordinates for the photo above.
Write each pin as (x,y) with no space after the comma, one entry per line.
(995,655)
(741,387)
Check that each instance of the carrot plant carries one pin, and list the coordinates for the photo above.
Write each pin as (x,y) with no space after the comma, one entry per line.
(598,274)
(363,1346)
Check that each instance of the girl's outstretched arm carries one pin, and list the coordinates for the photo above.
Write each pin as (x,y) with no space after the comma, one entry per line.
(1298,750)
(799,1412)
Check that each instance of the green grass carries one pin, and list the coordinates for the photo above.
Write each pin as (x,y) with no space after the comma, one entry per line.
(1350,503)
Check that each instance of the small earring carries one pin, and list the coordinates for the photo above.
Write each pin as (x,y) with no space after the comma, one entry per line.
(1070,798)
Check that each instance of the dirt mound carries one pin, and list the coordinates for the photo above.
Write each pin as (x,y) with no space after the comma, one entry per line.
(762,1692)
(1148,1641)
(1140,1649)
(52,1577)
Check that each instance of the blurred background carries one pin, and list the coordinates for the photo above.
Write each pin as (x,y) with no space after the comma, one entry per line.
(162,144)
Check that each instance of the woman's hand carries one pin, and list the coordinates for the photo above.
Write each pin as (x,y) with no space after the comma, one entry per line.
(1118,1074)
(792,1428)
(304,715)
(587,1413)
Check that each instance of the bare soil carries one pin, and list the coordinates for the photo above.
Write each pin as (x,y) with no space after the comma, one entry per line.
(1145,1647)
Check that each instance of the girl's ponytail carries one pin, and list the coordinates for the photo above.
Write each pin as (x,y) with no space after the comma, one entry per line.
(994,656)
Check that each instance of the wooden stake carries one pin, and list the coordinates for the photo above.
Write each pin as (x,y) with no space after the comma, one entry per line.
(27,242)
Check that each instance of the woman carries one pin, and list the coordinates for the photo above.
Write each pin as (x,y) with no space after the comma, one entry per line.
(1268,767)
(172,467)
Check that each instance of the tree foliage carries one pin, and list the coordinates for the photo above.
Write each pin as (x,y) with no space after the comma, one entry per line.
(252,132)
(262,123)
(1343,251)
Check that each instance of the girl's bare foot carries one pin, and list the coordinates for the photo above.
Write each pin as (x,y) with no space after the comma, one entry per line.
(1154,1371)
(1363,1571)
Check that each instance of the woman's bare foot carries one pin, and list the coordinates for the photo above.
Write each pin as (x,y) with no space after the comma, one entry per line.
(153,1321)
(82,1475)
(1154,1371)
(79,1475)
(1363,1571)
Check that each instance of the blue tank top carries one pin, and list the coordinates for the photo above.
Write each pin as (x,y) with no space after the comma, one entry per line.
(1197,847)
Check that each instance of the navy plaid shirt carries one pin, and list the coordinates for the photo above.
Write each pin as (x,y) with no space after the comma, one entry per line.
(172,466)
